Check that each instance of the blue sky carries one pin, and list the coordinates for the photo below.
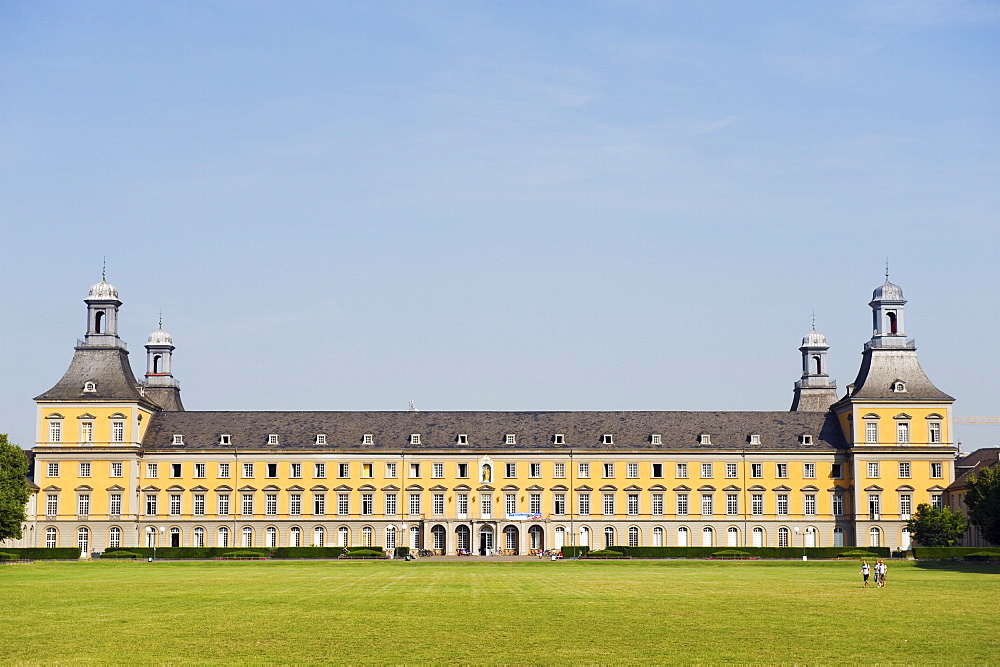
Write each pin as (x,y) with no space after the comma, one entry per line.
(500,206)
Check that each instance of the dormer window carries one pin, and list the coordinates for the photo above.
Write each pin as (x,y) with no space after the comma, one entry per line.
(806,439)
(755,438)
(656,439)
(510,439)
(607,439)
(705,439)
(414,438)
(225,439)
(90,387)
(178,439)
(559,439)
(272,439)
(463,438)
(321,438)
(899,386)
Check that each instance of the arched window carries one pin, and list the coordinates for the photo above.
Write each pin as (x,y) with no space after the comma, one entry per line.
(874,537)
(272,537)
(658,537)
(223,536)
(114,537)
(175,537)
(609,537)
(319,536)
(838,537)
(682,537)
(818,364)
(462,535)
(343,536)
(414,537)
(510,538)
(536,538)
(758,536)
(247,536)
(83,539)
(295,536)
(98,321)
(560,538)
(633,536)
(782,537)
(733,537)
(811,536)
(51,538)
(156,363)
(390,538)
(440,535)
(707,537)
(891,316)
(199,537)
(367,536)
(584,536)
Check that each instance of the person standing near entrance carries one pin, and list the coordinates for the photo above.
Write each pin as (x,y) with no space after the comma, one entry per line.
(865,572)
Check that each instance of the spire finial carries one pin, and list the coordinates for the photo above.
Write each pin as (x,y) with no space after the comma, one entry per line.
(814,319)
(887,269)
(104,268)
(161,318)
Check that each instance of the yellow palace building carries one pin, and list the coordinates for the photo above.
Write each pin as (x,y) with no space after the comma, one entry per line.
(120,462)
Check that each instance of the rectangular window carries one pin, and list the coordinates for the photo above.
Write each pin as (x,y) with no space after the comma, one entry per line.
(295,470)
(559,470)
(271,504)
(511,503)
(809,470)
(115,504)
(367,470)
(462,504)
(706,471)
(55,431)
(534,470)
(657,470)
(871,432)
(175,470)
(414,470)
(414,503)
(319,504)
(319,470)
(809,504)
(902,432)
(52,470)
(706,504)
(343,504)
(535,503)
(510,439)
(247,471)
(390,504)
(510,470)
(150,504)
(937,470)
(682,504)
(151,470)
(295,504)
(632,470)
(781,470)
(904,470)
(199,470)
(462,471)
(84,470)
(583,470)
(731,471)
(837,505)
(485,504)
(414,438)
(873,506)
(86,431)
(437,503)
(367,504)
(732,504)
(175,504)
(657,504)
(321,439)
(609,504)
(83,504)
(223,504)
(343,470)
(199,504)
(782,504)
(223,470)
(936,500)
(51,504)
(584,503)
(682,470)
(656,439)
(559,503)
(873,469)
(757,470)
(609,470)
(633,504)
(934,432)
(272,470)
(836,470)
(117,431)
(247,504)
(757,504)
(905,505)
(390,470)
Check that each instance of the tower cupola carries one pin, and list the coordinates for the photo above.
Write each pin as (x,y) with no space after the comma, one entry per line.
(814,391)
(887,316)
(102,315)
(160,384)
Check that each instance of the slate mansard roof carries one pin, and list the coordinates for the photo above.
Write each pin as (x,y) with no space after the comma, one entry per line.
(486,431)
(108,368)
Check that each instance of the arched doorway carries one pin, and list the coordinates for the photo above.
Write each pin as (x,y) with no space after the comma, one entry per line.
(510,539)
(536,538)
(486,544)
(390,538)
(733,537)
(904,540)
(463,541)
(439,538)
(560,538)
(758,536)
(175,537)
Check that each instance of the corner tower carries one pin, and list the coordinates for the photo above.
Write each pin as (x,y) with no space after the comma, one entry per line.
(814,391)
(160,383)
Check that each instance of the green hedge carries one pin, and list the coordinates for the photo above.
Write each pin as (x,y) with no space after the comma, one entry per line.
(41,553)
(171,552)
(120,554)
(6,556)
(208,553)
(947,552)
(244,554)
(755,552)
(604,553)
(402,552)
(365,553)
(573,552)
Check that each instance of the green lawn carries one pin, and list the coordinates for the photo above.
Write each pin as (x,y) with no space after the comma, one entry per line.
(491,612)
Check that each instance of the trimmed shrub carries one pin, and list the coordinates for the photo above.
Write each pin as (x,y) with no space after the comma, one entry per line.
(858,554)
(364,553)
(307,552)
(925,553)
(41,553)
(4,556)
(119,554)
(243,554)
(731,553)
(402,552)
(982,556)
(791,553)
(573,552)
(604,553)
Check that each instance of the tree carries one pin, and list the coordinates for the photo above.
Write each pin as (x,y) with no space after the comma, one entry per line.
(936,526)
(14,489)
(983,502)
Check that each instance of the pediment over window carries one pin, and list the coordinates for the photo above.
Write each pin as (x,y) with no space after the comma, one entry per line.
(295,488)
(83,487)
(510,487)
(438,487)
(609,487)
(175,487)
(271,487)
(633,487)
(902,415)
(756,487)
(115,488)
(247,489)
(559,487)
(781,488)
(682,488)
(873,488)
(534,487)
(809,489)
(86,415)
(224,487)
(463,487)
(707,487)
(343,487)
(51,488)
(732,487)
(936,488)
(583,488)
(871,415)
(485,487)
(414,487)
(54,415)
(657,487)
(199,489)
(369,487)
(150,489)
(906,488)
(117,415)
(933,415)
(319,487)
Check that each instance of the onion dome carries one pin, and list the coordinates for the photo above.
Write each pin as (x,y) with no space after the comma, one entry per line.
(160,337)
(888,292)
(103,290)
(813,339)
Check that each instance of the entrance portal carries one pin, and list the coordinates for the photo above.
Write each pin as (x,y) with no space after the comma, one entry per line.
(486,541)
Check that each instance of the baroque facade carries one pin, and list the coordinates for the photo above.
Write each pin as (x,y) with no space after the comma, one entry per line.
(120,462)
